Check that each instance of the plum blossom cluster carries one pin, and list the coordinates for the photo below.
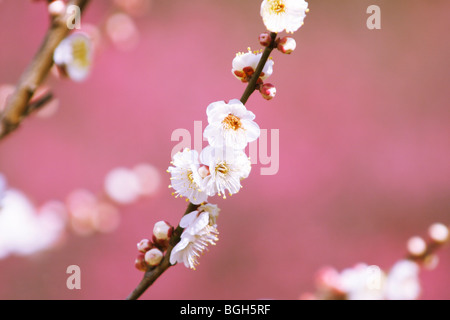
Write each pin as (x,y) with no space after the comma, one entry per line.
(220,167)
(223,164)
(401,282)
(200,231)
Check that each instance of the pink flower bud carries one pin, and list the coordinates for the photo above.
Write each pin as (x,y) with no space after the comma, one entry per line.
(144,245)
(153,257)
(265,39)
(416,246)
(140,263)
(162,231)
(56,8)
(438,233)
(287,45)
(203,171)
(268,91)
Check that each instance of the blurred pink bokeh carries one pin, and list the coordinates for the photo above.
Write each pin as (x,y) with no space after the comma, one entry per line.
(363,117)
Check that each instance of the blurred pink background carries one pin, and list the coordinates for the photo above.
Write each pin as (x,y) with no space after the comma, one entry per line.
(364,145)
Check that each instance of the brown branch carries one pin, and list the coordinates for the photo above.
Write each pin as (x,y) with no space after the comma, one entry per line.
(36,105)
(154,273)
(17,105)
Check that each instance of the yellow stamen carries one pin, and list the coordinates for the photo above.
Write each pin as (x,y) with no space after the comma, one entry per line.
(232,122)
(277,6)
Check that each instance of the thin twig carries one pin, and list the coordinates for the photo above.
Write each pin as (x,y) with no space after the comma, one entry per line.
(151,275)
(36,105)
(17,105)
(251,87)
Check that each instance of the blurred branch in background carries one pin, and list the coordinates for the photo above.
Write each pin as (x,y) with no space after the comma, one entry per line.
(17,106)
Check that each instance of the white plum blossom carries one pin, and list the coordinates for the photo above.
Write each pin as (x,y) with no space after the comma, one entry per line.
(200,230)
(244,66)
(227,168)
(74,56)
(230,125)
(279,15)
(403,281)
(186,181)
(363,282)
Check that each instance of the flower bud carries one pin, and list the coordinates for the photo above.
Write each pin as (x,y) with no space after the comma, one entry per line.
(56,8)
(203,171)
(153,257)
(287,45)
(439,233)
(416,246)
(144,245)
(162,230)
(140,263)
(265,39)
(268,91)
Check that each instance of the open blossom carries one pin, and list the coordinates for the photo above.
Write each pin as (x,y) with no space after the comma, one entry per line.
(186,180)
(200,230)
(227,168)
(74,56)
(403,281)
(230,125)
(279,15)
(244,66)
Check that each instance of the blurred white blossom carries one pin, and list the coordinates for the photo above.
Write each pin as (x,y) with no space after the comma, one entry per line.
(74,56)
(24,230)
(403,281)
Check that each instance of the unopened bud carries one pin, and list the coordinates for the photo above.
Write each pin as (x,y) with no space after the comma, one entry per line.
(416,246)
(140,263)
(56,8)
(203,171)
(144,245)
(153,257)
(268,91)
(265,39)
(287,45)
(162,230)
(438,232)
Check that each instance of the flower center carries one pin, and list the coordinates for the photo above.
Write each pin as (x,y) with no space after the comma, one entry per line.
(190,176)
(222,168)
(232,122)
(277,6)
(80,53)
